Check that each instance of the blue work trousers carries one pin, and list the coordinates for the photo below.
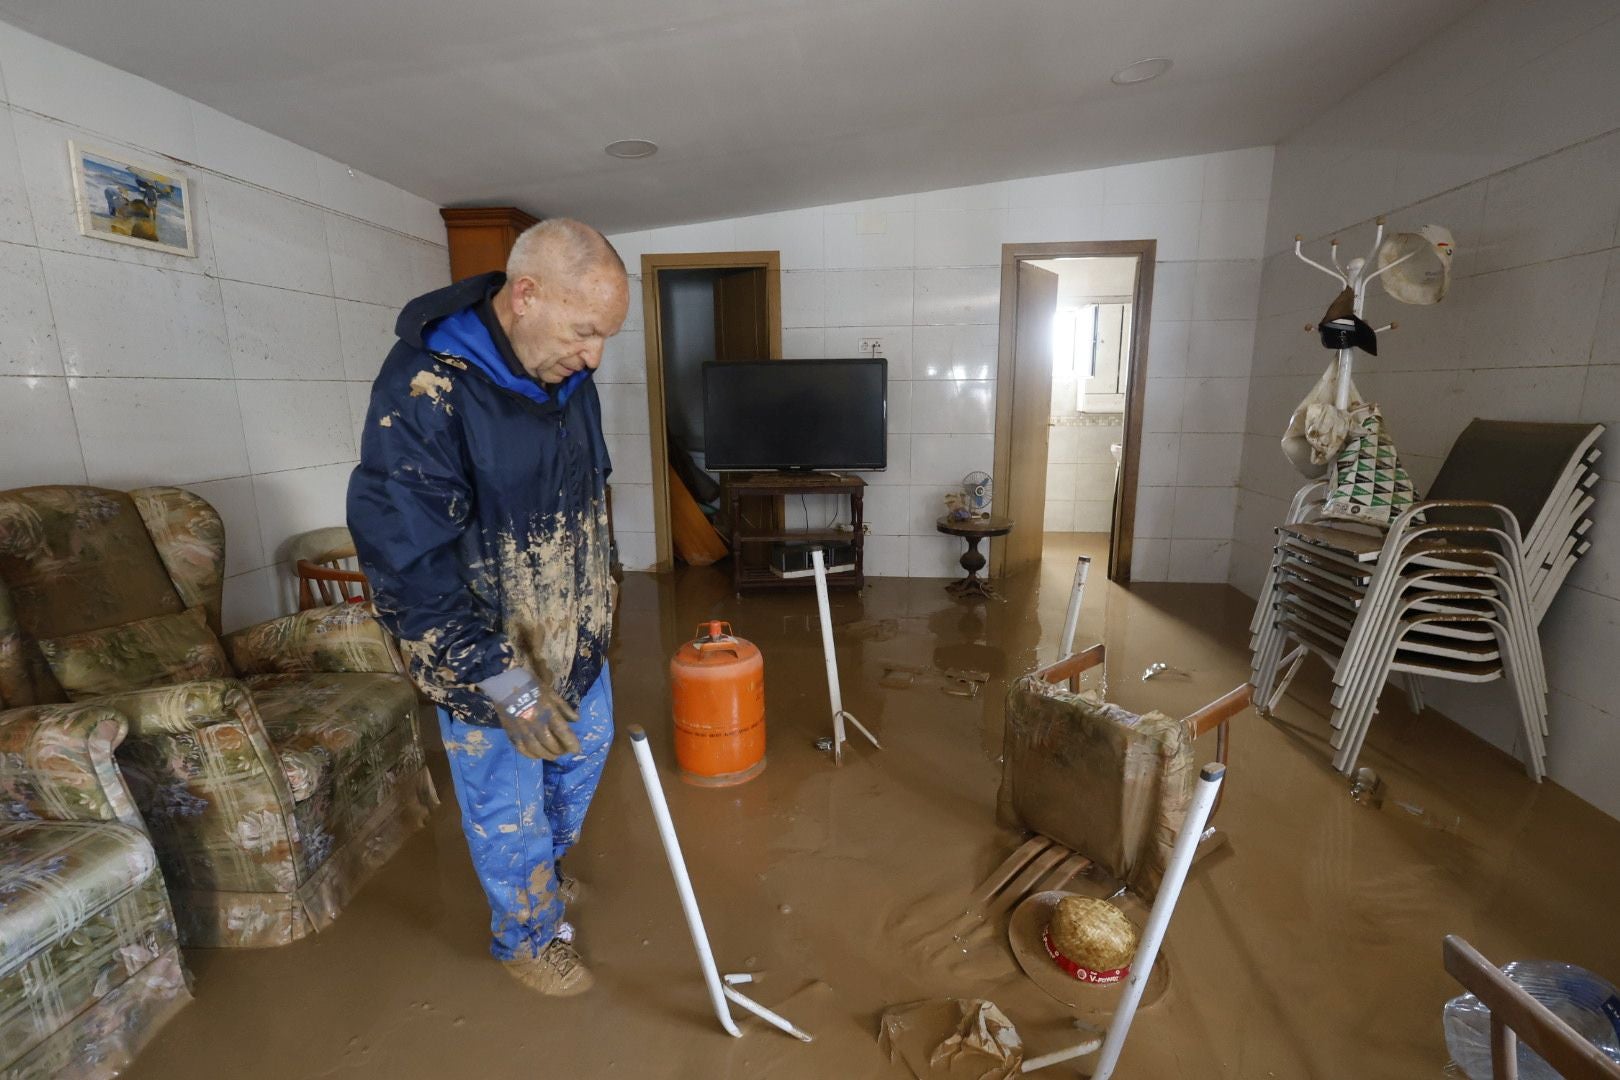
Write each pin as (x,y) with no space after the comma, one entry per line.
(521,815)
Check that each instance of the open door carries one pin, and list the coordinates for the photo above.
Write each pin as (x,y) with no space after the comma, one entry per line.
(747,287)
(742,332)
(1031,411)
(741,325)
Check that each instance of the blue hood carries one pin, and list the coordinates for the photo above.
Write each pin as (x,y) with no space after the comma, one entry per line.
(464,335)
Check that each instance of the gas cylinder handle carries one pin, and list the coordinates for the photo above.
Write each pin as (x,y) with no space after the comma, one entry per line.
(712,632)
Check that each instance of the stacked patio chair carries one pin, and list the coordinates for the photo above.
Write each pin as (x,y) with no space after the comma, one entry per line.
(1455,588)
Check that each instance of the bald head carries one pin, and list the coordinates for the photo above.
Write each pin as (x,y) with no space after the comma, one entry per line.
(562,246)
(566,293)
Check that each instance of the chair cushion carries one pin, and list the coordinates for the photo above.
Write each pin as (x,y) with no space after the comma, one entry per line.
(158,651)
(1097,778)
(56,876)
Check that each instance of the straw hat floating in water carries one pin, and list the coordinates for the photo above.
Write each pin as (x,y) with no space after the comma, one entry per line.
(1079,949)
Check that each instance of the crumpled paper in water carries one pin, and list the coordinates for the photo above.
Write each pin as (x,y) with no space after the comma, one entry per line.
(952,1038)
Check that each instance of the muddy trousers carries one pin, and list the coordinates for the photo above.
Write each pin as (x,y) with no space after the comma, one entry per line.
(521,815)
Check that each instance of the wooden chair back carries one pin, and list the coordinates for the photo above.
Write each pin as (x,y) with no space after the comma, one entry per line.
(332,578)
(1516,1015)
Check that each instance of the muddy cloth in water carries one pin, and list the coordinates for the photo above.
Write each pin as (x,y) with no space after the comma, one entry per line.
(952,1039)
(478,508)
(521,815)
(1112,785)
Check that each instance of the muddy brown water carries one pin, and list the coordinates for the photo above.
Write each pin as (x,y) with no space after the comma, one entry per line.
(1309,948)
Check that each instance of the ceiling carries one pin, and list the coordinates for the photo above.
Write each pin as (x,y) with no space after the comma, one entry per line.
(757,104)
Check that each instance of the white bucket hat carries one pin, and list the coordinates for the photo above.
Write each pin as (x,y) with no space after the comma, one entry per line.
(1424,269)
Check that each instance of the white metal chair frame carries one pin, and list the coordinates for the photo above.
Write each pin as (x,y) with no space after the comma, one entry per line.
(1361,698)
(1382,617)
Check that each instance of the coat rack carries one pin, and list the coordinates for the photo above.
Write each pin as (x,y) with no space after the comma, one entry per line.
(1352,275)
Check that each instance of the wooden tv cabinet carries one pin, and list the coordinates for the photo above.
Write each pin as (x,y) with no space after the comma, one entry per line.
(750,546)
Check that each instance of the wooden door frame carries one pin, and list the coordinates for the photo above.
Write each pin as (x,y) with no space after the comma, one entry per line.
(1124,523)
(653,335)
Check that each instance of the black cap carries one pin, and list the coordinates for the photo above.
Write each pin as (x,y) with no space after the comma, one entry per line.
(1341,329)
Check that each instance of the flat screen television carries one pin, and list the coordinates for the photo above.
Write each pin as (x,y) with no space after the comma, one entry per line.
(796,414)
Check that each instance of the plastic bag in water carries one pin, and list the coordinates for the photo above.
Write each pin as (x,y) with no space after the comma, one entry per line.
(1586,1002)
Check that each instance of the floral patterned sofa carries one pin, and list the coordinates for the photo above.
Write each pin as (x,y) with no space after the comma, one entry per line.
(275,768)
(89,962)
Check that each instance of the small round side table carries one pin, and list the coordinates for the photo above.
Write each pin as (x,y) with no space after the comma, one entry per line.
(973,530)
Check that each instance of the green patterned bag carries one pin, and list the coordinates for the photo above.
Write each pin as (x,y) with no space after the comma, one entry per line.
(1369,484)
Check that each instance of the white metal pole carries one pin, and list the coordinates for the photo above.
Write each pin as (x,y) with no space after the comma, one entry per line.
(1341,392)
(683,883)
(833,691)
(1147,950)
(1071,621)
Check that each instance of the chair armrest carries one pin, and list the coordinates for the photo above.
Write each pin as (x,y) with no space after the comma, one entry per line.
(56,763)
(346,637)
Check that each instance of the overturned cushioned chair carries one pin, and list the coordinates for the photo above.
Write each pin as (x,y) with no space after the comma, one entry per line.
(89,963)
(276,769)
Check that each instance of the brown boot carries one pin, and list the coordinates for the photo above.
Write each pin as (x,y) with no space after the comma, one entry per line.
(556,972)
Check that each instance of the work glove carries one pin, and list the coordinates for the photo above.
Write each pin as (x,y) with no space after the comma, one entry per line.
(536,720)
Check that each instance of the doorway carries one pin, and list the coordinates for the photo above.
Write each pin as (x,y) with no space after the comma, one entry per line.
(698,307)
(1071,378)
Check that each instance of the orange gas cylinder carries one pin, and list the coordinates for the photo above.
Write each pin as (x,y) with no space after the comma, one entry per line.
(718,683)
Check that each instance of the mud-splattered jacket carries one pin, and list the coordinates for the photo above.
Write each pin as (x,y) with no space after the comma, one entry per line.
(478,509)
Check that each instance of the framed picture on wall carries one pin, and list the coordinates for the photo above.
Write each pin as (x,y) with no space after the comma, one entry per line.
(131,202)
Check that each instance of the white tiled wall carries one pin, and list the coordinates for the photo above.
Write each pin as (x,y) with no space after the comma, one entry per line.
(241,373)
(1514,143)
(922,272)
(1080,474)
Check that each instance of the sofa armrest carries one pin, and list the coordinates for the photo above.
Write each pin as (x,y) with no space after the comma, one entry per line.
(180,708)
(56,764)
(346,637)
(210,786)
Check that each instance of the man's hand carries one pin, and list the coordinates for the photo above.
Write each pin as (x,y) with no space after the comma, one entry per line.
(534,719)
(538,732)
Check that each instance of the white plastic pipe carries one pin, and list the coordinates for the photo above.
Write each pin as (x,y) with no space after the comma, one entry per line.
(1071,621)
(763,1013)
(1058,1057)
(833,691)
(683,883)
(1147,950)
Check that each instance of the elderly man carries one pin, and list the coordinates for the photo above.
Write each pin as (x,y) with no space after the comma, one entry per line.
(479,513)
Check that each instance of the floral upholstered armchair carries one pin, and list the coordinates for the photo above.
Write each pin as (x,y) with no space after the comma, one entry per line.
(89,963)
(275,768)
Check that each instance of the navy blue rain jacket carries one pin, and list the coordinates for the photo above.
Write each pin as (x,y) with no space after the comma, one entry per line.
(479,509)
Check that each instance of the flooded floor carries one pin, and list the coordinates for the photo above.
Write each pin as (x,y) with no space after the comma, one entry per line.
(1310,947)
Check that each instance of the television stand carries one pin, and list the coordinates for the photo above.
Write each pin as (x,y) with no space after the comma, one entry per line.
(750,545)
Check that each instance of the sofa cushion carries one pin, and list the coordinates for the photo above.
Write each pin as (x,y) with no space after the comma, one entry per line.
(79,558)
(159,651)
(344,739)
(336,715)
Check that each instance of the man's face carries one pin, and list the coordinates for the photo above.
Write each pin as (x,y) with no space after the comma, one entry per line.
(560,326)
